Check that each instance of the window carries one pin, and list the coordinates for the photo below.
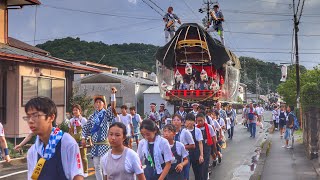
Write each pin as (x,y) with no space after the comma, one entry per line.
(44,87)
(39,86)
(58,91)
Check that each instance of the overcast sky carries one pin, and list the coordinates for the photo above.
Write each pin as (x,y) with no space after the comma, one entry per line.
(128,21)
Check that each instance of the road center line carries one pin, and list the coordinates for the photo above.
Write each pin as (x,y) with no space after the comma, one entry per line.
(12,174)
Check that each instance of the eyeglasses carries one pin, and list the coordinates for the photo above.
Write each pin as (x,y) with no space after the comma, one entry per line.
(34,116)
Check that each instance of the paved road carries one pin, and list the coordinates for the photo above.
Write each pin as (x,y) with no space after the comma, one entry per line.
(236,162)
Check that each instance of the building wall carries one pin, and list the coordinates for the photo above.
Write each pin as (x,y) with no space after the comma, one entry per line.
(125,89)
(16,126)
(155,98)
(13,122)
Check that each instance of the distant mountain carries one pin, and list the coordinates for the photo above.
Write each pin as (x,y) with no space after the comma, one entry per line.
(259,75)
(124,56)
(141,56)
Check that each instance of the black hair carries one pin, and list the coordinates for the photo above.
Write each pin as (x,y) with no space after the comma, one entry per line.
(190,117)
(132,108)
(170,127)
(120,125)
(178,116)
(216,6)
(150,126)
(124,107)
(201,115)
(96,99)
(43,104)
(291,108)
(217,113)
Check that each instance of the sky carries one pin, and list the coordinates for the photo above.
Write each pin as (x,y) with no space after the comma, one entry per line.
(256,28)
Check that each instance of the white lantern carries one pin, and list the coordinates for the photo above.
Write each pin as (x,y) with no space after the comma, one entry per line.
(284,73)
(188,69)
(204,75)
(178,76)
(164,86)
(214,86)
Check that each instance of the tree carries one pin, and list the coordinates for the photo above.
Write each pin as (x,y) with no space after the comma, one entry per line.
(310,87)
(84,101)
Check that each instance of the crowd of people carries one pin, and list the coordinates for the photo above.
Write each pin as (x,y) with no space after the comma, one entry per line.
(285,121)
(167,145)
(252,115)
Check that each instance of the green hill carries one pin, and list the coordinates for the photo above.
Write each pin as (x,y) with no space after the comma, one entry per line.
(141,56)
(124,56)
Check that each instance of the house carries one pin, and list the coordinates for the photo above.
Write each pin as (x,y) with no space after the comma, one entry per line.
(152,94)
(102,67)
(130,89)
(27,71)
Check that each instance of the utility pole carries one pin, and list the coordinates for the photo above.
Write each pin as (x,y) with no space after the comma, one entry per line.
(296,30)
(206,9)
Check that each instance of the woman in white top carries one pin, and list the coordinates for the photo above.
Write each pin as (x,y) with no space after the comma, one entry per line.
(154,151)
(120,162)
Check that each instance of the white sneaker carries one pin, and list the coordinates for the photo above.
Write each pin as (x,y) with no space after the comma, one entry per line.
(289,147)
(85,175)
(284,146)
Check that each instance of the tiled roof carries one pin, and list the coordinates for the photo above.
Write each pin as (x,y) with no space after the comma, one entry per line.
(24,46)
(152,90)
(91,78)
(10,53)
(23,2)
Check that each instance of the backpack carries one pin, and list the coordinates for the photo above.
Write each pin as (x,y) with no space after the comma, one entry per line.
(208,120)
(251,115)
(296,124)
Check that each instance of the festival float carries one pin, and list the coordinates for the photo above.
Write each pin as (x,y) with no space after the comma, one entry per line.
(194,67)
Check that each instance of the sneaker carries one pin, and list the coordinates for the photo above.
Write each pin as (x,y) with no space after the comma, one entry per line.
(214,163)
(289,147)
(85,175)
(284,146)
(219,159)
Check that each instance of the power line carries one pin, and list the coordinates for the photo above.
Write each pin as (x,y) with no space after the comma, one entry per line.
(272,34)
(260,21)
(267,13)
(273,2)
(264,48)
(152,8)
(195,15)
(94,32)
(301,11)
(157,6)
(298,7)
(98,13)
(274,52)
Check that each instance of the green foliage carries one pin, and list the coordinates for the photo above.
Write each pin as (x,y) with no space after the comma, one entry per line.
(84,101)
(255,70)
(12,152)
(310,91)
(239,100)
(64,126)
(138,55)
(309,84)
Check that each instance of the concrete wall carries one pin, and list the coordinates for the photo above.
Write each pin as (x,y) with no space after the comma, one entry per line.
(311,127)
(155,98)
(126,90)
